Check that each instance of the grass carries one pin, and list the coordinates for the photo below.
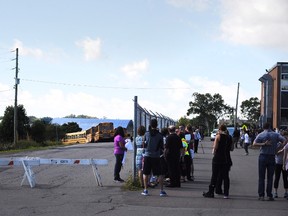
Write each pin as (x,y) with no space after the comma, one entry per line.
(131,184)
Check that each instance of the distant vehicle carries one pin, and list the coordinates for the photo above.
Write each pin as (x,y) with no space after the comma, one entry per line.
(75,137)
(104,131)
(213,134)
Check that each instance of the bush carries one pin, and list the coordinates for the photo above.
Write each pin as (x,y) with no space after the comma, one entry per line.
(27,144)
(132,185)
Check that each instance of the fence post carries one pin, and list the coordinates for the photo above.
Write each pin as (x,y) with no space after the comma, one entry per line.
(134,137)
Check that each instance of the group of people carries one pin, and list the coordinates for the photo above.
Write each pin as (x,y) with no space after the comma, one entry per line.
(169,154)
(273,151)
(244,137)
(272,161)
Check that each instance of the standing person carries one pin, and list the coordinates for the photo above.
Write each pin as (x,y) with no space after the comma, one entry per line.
(119,149)
(219,162)
(189,136)
(139,152)
(153,143)
(246,142)
(267,140)
(197,139)
(172,152)
(278,170)
(236,137)
(185,160)
(242,133)
(218,189)
(285,159)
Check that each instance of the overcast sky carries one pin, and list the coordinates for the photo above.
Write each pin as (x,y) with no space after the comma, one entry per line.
(92,57)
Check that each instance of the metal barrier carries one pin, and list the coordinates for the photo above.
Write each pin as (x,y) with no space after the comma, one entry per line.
(28,162)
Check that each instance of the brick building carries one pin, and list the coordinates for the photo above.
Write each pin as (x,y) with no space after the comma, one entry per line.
(274,96)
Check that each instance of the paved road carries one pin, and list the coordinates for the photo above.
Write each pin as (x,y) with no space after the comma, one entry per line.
(71,190)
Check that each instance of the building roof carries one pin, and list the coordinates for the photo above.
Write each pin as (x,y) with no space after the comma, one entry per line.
(86,123)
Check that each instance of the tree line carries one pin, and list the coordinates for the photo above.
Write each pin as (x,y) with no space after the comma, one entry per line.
(31,131)
(206,110)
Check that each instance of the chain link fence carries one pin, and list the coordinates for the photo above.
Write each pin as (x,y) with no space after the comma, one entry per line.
(142,116)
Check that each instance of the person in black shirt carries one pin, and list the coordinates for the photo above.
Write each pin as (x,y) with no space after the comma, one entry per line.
(173,150)
(219,162)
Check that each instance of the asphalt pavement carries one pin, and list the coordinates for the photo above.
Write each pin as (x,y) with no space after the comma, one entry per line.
(71,190)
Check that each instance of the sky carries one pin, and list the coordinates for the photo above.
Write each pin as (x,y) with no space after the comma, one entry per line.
(93,57)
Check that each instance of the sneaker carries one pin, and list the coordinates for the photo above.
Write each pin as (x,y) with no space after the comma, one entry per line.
(145,193)
(163,193)
(285,195)
(275,195)
(270,199)
(208,194)
(225,197)
(118,180)
(261,198)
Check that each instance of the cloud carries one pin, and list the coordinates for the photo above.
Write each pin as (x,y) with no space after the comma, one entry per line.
(53,55)
(199,5)
(135,70)
(180,89)
(228,91)
(26,51)
(255,22)
(57,103)
(7,97)
(91,48)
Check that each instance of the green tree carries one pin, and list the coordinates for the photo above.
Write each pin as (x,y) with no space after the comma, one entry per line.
(7,124)
(209,108)
(38,131)
(250,109)
(183,121)
(70,127)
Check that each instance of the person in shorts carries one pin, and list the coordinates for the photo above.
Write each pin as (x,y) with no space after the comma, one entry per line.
(154,145)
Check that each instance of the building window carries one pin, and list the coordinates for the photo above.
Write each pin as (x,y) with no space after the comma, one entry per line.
(284,116)
(284,69)
(284,82)
(284,99)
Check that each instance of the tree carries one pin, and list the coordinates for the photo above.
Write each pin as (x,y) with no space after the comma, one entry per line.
(183,121)
(209,108)
(7,124)
(70,127)
(250,109)
(38,131)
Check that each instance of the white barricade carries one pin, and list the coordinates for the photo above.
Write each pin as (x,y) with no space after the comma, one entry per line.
(27,162)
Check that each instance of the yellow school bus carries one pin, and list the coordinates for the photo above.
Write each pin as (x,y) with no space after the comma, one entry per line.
(104,131)
(75,137)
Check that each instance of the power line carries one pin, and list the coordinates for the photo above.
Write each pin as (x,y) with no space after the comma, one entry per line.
(6,90)
(103,87)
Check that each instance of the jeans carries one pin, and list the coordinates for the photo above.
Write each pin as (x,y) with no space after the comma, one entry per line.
(118,166)
(265,162)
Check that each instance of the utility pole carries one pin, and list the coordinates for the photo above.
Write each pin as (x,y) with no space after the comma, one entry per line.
(15,104)
(236,109)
